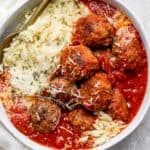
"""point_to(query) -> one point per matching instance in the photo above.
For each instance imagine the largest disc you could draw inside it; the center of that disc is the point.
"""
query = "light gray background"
(140, 138)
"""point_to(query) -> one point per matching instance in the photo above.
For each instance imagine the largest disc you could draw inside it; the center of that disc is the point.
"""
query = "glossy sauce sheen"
(63, 135)
(133, 88)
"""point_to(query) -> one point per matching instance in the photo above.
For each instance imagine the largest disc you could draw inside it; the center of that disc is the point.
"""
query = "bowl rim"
(134, 123)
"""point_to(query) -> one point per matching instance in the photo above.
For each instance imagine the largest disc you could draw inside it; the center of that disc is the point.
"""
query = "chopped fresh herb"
(36, 76)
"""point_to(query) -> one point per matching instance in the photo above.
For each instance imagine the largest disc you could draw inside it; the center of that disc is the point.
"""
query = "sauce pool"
(64, 135)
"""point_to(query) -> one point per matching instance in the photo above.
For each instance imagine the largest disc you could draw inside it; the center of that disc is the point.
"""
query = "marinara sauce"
(64, 136)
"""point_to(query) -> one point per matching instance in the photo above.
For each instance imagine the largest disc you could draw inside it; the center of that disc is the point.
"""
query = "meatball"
(81, 119)
(62, 89)
(128, 49)
(45, 116)
(96, 93)
(78, 62)
(93, 31)
(118, 108)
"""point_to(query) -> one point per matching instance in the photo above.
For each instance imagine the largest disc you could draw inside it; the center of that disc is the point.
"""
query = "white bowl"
(135, 122)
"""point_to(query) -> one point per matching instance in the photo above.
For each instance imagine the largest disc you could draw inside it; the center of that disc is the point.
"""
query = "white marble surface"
(140, 138)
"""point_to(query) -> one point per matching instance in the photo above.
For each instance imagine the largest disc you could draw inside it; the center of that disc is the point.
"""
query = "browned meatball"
(128, 49)
(93, 31)
(81, 119)
(96, 93)
(45, 116)
(62, 89)
(78, 62)
(118, 107)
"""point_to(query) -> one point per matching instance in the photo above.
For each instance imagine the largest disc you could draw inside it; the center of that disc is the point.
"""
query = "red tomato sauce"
(63, 136)
(100, 7)
(133, 88)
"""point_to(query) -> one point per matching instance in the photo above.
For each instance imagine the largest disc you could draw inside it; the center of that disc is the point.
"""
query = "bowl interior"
(135, 122)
